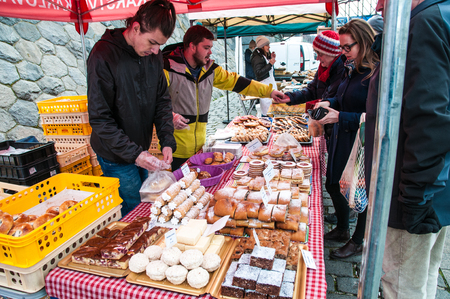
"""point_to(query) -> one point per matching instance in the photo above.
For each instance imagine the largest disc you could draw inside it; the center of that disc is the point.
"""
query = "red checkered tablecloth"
(67, 284)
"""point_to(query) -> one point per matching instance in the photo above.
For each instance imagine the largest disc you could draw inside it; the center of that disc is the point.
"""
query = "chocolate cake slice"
(262, 257)
(246, 277)
(269, 282)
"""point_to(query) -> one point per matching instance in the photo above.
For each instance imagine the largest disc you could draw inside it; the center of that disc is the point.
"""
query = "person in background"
(191, 76)
(249, 74)
(127, 95)
(345, 109)
(420, 210)
(377, 24)
(262, 63)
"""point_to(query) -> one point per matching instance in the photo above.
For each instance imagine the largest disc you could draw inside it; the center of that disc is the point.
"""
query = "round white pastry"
(191, 258)
(198, 278)
(176, 274)
(171, 256)
(138, 263)
(211, 262)
(156, 270)
(153, 252)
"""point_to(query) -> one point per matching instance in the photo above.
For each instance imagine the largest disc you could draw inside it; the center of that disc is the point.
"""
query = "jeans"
(131, 178)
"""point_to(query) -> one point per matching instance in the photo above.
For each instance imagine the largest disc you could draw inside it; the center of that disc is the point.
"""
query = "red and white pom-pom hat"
(327, 42)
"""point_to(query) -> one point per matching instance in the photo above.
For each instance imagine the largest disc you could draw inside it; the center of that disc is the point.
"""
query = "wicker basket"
(215, 172)
(199, 160)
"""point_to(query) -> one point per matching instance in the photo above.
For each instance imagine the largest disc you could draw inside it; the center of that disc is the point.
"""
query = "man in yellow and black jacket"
(191, 76)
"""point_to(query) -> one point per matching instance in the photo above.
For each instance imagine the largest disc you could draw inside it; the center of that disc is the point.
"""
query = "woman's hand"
(323, 104)
(331, 118)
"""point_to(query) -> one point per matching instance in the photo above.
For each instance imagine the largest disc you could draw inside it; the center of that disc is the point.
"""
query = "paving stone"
(8, 35)
(25, 113)
(53, 32)
(27, 31)
(347, 285)
(20, 132)
(339, 268)
(8, 53)
(330, 283)
(29, 51)
(7, 96)
(9, 74)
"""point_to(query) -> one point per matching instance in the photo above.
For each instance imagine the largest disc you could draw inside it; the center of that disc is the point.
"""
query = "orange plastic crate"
(73, 129)
(70, 153)
(97, 170)
(78, 166)
(64, 104)
(65, 118)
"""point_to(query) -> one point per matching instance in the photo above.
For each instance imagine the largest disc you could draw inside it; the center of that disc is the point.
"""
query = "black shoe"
(332, 219)
(348, 250)
(337, 235)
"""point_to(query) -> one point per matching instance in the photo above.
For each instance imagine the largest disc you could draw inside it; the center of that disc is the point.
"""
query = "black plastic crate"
(23, 172)
(34, 179)
(38, 151)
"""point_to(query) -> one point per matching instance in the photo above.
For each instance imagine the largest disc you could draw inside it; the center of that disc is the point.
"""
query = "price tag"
(171, 238)
(254, 145)
(309, 260)
(269, 189)
(268, 173)
(53, 172)
(198, 170)
(292, 154)
(256, 238)
(32, 170)
(152, 224)
(185, 169)
(265, 199)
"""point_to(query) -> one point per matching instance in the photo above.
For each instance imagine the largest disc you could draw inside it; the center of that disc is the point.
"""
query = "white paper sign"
(269, 189)
(219, 224)
(268, 173)
(309, 260)
(171, 238)
(254, 145)
(185, 169)
(152, 224)
(256, 238)
(265, 199)
(292, 154)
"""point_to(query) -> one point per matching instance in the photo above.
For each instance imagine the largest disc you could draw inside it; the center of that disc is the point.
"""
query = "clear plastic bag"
(287, 140)
(156, 183)
(315, 128)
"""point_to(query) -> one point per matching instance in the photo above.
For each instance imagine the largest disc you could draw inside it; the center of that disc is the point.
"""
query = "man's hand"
(149, 162)
(167, 153)
(420, 219)
(279, 97)
(179, 122)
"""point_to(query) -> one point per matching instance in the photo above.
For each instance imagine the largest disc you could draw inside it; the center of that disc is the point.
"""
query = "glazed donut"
(20, 218)
(6, 223)
(53, 210)
(21, 230)
(66, 205)
(43, 219)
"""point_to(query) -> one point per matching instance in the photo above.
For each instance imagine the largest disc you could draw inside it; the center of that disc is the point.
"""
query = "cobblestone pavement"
(342, 275)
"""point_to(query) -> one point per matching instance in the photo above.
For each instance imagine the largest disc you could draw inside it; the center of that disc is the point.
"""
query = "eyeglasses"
(347, 48)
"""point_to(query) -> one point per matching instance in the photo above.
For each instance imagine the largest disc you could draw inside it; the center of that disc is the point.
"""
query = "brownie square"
(250, 294)
(286, 291)
(233, 267)
(279, 265)
(262, 257)
(228, 289)
(289, 276)
(281, 249)
(244, 259)
(269, 282)
(246, 276)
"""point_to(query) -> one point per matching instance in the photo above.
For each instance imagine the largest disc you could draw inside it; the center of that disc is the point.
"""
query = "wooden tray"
(67, 263)
(184, 288)
(300, 279)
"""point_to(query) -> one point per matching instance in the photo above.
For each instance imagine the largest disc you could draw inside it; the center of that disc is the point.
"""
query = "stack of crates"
(65, 121)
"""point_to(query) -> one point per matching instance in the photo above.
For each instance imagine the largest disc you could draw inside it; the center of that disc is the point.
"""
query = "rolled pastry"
(174, 221)
(163, 219)
(195, 184)
(159, 202)
(211, 218)
(279, 213)
(155, 210)
(178, 200)
(166, 211)
(171, 192)
(187, 180)
(198, 193)
(191, 214)
(182, 209)
(204, 200)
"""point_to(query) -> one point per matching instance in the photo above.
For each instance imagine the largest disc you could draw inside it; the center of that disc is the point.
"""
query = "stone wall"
(41, 60)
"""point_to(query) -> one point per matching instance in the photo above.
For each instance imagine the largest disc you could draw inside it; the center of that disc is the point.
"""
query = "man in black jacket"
(249, 73)
(127, 95)
(420, 209)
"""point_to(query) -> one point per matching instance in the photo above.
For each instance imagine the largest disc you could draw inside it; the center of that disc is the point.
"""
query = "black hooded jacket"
(127, 94)
(260, 66)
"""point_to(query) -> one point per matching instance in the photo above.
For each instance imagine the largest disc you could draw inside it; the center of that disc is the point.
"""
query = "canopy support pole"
(80, 24)
(390, 92)
(227, 121)
(333, 15)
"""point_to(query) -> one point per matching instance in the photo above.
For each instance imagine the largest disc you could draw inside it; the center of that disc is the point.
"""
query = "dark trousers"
(177, 162)
(342, 213)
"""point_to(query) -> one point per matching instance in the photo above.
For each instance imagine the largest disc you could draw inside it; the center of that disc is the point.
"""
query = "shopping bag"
(352, 182)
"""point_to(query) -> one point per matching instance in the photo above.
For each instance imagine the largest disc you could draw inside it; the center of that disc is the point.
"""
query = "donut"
(6, 223)
(156, 270)
(176, 274)
(171, 256)
(153, 252)
(53, 210)
(191, 258)
(21, 230)
(211, 262)
(43, 219)
(138, 263)
(198, 278)
(66, 205)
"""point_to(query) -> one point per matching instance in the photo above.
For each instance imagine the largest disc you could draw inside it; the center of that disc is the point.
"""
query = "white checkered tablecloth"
(68, 284)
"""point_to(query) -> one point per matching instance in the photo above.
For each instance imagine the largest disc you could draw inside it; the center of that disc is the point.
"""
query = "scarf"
(350, 66)
(323, 73)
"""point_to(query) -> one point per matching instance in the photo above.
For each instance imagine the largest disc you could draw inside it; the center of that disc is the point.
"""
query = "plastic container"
(32, 279)
(87, 171)
(23, 172)
(69, 129)
(78, 166)
(35, 178)
(38, 151)
(78, 139)
(97, 170)
(26, 251)
(64, 104)
(70, 153)
(215, 172)
(155, 185)
(9, 189)
(199, 159)
(65, 118)
(14, 294)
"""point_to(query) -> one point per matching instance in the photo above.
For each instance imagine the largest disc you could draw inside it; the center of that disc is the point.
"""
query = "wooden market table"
(68, 284)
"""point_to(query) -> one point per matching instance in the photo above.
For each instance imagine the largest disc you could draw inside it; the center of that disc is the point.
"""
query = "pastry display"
(191, 259)
(156, 270)
(198, 278)
(211, 262)
(153, 252)
(176, 274)
(138, 263)
(171, 256)
(294, 125)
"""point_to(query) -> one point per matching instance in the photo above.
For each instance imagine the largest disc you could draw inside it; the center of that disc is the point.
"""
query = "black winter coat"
(127, 94)
(249, 73)
(260, 67)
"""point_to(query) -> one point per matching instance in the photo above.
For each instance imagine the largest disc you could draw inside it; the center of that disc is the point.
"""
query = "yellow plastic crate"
(70, 153)
(65, 118)
(26, 251)
(87, 171)
(64, 104)
(73, 129)
(97, 170)
(77, 166)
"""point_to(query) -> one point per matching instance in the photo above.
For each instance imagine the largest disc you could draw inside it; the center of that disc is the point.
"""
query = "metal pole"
(395, 37)
(226, 68)
(333, 16)
(80, 23)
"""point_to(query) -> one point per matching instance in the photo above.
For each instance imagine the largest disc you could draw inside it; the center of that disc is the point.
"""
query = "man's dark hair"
(195, 35)
(156, 14)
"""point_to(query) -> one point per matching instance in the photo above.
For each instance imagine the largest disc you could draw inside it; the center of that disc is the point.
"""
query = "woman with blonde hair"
(344, 112)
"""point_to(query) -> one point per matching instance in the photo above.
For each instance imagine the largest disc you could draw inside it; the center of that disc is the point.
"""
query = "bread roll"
(291, 223)
(211, 218)
(240, 194)
(21, 230)
(295, 207)
(273, 199)
(65, 206)
(285, 197)
(225, 193)
(268, 225)
(253, 209)
(225, 207)
(265, 213)
(254, 223)
(241, 211)
(6, 223)
(53, 210)
(279, 213)
(254, 197)
(231, 223)
(43, 219)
